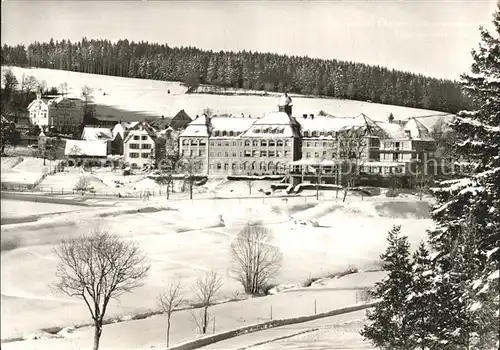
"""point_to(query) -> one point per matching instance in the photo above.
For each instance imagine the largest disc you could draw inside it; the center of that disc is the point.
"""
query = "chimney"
(304, 116)
(311, 115)
(196, 117)
(162, 117)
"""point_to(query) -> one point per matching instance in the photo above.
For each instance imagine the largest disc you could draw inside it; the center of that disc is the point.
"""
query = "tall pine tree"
(388, 326)
(467, 233)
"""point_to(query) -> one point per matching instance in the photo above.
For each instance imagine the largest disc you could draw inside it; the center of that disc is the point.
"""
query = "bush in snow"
(83, 184)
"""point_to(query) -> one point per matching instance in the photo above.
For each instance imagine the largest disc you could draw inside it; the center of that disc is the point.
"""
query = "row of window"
(247, 166)
(143, 138)
(136, 155)
(395, 156)
(194, 142)
(396, 145)
(254, 154)
(142, 146)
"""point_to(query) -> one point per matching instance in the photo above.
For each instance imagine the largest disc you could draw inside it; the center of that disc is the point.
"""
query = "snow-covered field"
(151, 97)
(27, 172)
(188, 238)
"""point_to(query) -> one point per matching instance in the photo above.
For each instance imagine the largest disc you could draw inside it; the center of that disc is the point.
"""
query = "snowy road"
(265, 339)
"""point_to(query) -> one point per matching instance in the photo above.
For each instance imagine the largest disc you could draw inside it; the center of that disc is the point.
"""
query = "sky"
(432, 37)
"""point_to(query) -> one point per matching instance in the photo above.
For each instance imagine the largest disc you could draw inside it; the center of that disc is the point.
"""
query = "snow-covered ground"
(151, 97)
(188, 238)
(27, 172)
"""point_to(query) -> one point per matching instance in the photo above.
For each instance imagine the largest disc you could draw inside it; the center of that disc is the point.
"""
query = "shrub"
(392, 192)
(363, 295)
(264, 290)
(82, 184)
(308, 282)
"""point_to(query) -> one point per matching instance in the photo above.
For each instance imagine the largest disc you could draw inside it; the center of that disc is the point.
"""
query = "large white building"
(61, 114)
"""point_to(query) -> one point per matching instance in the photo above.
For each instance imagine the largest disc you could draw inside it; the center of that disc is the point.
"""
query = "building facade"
(140, 146)
(61, 114)
(279, 144)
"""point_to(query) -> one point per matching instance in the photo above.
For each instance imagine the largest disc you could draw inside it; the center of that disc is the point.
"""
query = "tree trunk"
(205, 320)
(97, 334)
(168, 331)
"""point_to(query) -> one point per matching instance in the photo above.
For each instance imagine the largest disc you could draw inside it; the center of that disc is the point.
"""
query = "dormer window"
(216, 133)
(224, 133)
(231, 133)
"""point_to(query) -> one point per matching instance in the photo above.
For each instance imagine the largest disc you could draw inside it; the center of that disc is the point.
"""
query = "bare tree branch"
(255, 260)
(168, 301)
(97, 268)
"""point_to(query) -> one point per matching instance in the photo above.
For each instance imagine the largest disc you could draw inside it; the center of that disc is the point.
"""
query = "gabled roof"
(227, 124)
(392, 130)
(417, 130)
(95, 133)
(141, 128)
(85, 148)
(197, 128)
(38, 101)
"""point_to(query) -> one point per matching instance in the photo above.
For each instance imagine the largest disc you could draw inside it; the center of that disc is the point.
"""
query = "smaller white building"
(86, 149)
(139, 146)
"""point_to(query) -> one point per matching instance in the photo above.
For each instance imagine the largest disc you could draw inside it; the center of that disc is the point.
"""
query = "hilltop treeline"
(249, 70)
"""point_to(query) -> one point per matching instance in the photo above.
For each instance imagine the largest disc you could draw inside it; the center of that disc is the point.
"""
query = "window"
(144, 138)
(218, 154)
(134, 155)
(211, 143)
(308, 144)
(227, 144)
(138, 138)
(287, 153)
(203, 142)
(219, 143)
(255, 143)
(145, 155)
(255, 154)
(234, 143)
(308, 154)
(200, 153)
(146, 146)
(287, 143)
(191, 152)
(316, 144)
(279, 154)
(216, 133)
(272, 143)
(263, 153)
(263, 142)
(263, 166)
(248, 154)
(324, 154)
(211, 154)
(218, 166)
(279, 143)
(270, 153)
(306, 133)
(316, 154)
(224, 133)
(134, 146)
(226, 166)
(234, 154)
(247, 142)
(324, 144)
(226, 154)
(231, 133)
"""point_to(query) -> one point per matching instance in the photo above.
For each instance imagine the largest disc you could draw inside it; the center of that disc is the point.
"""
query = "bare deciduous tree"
(170, 300)
(255, 260)
(190, 166)
(205, 290)
(352, 146)
(97, 268)
(208, 112)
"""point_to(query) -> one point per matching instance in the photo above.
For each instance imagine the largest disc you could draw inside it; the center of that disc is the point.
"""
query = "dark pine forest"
(249, 70)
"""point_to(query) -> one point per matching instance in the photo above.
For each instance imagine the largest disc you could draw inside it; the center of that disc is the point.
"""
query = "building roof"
(197, 128)
(392, 130)
(141, 128)
(417, 130)
(85, 148)
(234, 124)
(95, 133)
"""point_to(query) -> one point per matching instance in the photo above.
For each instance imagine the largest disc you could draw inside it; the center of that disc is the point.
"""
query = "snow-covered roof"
(417, 130)
(85, 148)
(392, 130)
(141, 129)
(94, 134)
(223, 125)
(197, 128)
(322, 123)
(118, 129)
(274, 118)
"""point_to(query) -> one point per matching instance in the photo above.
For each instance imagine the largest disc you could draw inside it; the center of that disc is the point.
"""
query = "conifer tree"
(468, 212)
(388, 326)
(421, 299)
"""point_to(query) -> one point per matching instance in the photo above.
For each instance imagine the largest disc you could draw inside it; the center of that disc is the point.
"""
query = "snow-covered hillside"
(152, 97)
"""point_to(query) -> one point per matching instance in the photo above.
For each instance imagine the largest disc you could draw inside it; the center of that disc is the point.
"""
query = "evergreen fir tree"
(388, 326)
(468, 210)
(421, 299)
